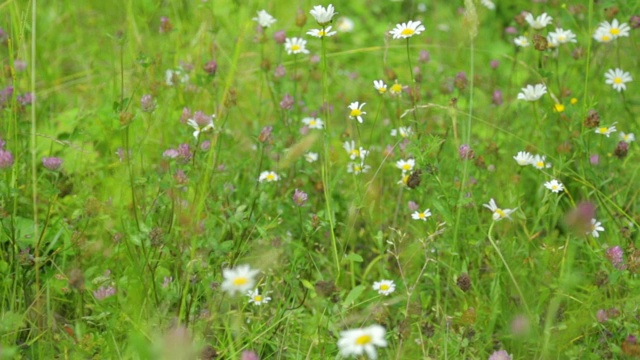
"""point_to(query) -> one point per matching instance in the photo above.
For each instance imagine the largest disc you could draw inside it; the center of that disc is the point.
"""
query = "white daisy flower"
(596, 228)
(321, 32)
(357, 342)
(402, 131)
(540, 22)
(356, 111)
(421, 215)
(311, 157)
(603, 35)
(380, 86)
(264, 19)
(171, 76)
(357, 168)
(384, 287)
(407, 30)
(615, 28)
(323, 15)
(354, 153)
(539, 162)
(617, 78)
(240, 279)
(488, 4)
(256, 299)
(523, 158)
(344, 24)
(498, 214)
(268, 176)
(313, 123)
(200, 128)
(296, 45)
(521, 41)
(406, 165)
(628, 138)
(561, 36)
(532, 92)
(554, 185)
(606, 131)
(396, 89)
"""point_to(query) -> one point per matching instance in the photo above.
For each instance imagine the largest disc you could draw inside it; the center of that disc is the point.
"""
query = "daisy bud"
(52, 163)
(6, 159)
(280, 37)
(147, 104)
(621, 150)
(540, 42)
(210, 67)
(301, 18)
(592, 120)
(300, 197)
(464, 282)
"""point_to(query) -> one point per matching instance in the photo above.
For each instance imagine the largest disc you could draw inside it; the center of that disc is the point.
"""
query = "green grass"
(119, 215)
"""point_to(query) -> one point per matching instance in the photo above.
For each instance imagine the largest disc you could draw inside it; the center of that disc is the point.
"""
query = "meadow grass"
(151, 150)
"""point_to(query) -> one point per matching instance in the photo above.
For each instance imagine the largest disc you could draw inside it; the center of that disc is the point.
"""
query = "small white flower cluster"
(359, 154)
(609, 31)
(524, 158)
(242, 279)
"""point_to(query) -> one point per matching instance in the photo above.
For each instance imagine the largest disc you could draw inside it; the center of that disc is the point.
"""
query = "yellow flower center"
(421, 215)
(406, 167)
(357, 168)
(559, 107)
(295, 47)
(355, 152)
(396, 88)
(500, 213)
(617, 80)
(363, 340)
(614, 31)
(382, 90)
(312, 123)
(240, 281)
(356, 112)
(270, 177)
(603, 130)
(405, 179)
(407, 32)
(605, 38)
(561, 38)
(384, 287)
(540, 164)
(257, 298)
(321, 33)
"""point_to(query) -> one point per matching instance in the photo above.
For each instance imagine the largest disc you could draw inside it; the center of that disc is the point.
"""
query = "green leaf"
(353, 257)
(354, 294)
